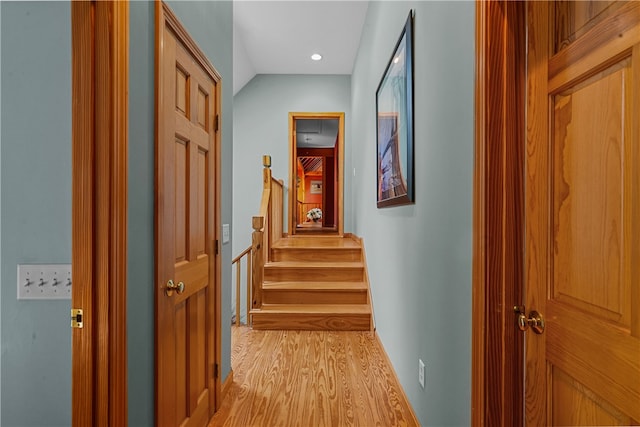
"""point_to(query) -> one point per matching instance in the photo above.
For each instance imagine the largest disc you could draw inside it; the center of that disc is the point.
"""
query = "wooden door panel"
(582, 250)
(182, 91)
(602, 357)
(180, 197)
(203, 108)
(201, 203)
(180, 346)
(590, 409)
(588, 194)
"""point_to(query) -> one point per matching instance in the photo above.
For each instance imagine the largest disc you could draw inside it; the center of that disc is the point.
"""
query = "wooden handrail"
(264, 202)
(238, 261)
(243, 253)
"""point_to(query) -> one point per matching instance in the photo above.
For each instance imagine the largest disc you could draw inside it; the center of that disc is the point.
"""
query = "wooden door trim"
(100, 58)
(293, 150)
(498, 213)
(164, 16)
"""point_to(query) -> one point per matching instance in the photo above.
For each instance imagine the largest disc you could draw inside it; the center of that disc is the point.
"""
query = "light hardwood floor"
(311, 378)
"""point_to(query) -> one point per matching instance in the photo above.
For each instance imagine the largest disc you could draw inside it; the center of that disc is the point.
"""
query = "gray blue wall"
(35, 203)
(36, 208)
(261, 126)
(0, 221)
(140, 269)
(419, 256)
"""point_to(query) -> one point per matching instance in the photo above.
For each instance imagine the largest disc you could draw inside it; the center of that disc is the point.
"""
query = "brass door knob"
(535, 320)
(171, 287)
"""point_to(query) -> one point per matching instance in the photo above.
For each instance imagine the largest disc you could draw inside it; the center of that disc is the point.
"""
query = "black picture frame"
(394, 125)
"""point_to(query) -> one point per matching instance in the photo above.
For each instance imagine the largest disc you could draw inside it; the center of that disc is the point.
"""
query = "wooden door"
(187, 217)
(582, 198)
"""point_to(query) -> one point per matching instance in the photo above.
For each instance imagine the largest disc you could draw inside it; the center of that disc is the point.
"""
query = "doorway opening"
(316, 175)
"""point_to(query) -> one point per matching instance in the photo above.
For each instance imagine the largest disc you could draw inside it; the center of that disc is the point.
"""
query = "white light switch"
(44, 281)
(225, 233)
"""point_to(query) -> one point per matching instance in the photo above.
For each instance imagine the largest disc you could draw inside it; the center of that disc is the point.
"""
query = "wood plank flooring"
(311, 379)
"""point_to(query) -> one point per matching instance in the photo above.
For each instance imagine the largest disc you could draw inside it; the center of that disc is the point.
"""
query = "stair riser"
(313, 297)
(311, 255)
(312, 322)
(302, 274)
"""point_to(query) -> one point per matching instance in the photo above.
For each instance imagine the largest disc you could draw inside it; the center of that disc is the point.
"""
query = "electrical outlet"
(44, 281)
(421, 372)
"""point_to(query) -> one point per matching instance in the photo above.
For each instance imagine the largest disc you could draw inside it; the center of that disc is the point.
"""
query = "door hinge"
(217, 248)
(76, 318)
(215, 370)
(216, 123)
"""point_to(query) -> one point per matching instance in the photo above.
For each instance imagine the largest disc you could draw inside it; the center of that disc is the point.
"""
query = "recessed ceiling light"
(316, 57)
(396, 59)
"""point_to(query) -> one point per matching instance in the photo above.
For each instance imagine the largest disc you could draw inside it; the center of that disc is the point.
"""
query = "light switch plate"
(44, 281)
(225, 233)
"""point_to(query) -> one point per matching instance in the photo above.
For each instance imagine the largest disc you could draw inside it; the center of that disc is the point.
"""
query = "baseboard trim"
(226, 386)
(393, 371)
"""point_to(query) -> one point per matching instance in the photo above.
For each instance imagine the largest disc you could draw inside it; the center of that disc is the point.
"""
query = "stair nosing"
(315, 285)
(314, 264)
(315, 309)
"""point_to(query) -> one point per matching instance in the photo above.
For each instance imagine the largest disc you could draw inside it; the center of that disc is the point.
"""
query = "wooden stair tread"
(310, 286)
(317, 248)
(318, 242)
(314, 309)
(314, 264)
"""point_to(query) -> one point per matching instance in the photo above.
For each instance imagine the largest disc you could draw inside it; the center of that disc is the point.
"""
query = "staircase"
(315, 283)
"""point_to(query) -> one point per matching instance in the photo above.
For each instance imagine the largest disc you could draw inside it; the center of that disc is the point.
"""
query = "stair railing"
(246, 254)
(267, 230)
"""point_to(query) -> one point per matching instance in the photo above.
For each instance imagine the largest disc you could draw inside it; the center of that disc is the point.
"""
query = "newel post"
(266, 172)
(266, 184)
(257, 261)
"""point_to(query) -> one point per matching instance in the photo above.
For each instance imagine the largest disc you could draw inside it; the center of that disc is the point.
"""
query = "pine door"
(185, 236)
(582, 196)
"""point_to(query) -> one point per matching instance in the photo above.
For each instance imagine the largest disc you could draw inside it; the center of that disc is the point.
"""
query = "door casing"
(100, 61)
(498, 213)
(339, 191)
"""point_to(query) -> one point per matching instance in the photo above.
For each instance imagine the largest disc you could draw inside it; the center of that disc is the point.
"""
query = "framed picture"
(316, 187)
(394, 114)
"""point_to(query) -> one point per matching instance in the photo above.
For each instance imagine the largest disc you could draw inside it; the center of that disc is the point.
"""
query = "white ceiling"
(278, 37)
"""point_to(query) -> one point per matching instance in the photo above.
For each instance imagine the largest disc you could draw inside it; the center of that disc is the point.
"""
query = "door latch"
(76, 318)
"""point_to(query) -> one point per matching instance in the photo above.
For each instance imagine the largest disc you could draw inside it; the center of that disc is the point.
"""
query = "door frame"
(99, 84)
(498, 213)
(293, 155)
(165, 16)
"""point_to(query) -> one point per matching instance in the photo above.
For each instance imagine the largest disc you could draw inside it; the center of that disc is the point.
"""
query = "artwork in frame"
(394, 115)
(316, 187)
